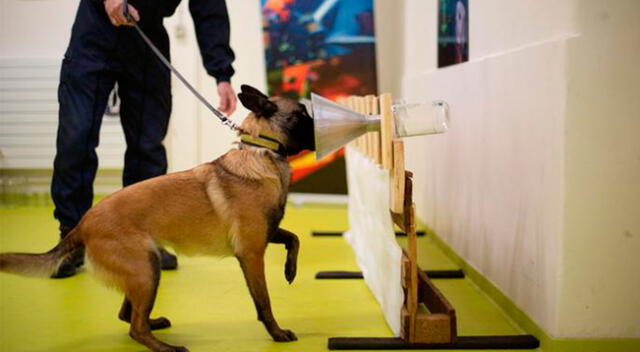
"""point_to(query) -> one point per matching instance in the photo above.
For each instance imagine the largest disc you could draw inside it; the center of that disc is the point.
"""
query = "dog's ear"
(250, 90)
(259, 104)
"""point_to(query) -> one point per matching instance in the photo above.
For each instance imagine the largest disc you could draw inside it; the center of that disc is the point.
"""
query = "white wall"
(502, 186)
(28, 28)
(601, 286)
(492, 186)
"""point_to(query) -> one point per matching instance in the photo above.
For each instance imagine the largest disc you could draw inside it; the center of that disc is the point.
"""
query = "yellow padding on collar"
(275, 146)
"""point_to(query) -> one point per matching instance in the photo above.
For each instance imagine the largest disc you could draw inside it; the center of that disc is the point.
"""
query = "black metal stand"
(336, 234)
(432, 274)
(461, 342)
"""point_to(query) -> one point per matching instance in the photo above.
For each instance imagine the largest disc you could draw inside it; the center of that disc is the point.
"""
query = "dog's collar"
(264, 141)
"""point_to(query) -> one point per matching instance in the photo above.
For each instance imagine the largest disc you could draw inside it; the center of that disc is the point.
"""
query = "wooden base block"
(429, 328)
(433, 328)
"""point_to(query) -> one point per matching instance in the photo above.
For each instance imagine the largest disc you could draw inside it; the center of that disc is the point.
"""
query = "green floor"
(207, 301)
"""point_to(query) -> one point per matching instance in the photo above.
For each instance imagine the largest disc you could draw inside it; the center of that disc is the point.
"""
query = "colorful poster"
(453, 32)
(321, 46)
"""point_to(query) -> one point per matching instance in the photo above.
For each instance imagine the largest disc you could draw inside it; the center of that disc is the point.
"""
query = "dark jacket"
(211, 22)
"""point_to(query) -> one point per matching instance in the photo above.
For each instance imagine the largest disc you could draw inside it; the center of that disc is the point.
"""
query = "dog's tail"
(44, 264)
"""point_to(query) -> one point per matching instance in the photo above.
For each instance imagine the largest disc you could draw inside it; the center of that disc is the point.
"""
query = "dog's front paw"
(290, 270)
(284, 336)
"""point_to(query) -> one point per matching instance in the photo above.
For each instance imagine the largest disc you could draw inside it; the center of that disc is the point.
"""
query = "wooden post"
(412, 287)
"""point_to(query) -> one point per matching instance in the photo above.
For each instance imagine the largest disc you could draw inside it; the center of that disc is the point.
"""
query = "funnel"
(336, 125)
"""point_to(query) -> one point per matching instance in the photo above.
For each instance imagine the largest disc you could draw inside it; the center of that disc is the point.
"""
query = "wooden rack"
(435, 325)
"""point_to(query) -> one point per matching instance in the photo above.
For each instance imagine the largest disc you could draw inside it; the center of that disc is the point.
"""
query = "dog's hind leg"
(155, 324)
(292, 244)
(252, 264)
(140, 290)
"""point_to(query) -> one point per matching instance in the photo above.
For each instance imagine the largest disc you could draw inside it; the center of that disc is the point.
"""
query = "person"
(104, 50)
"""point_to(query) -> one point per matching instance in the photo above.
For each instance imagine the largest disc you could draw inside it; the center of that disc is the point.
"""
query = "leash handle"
(225, 120)
(125, 11)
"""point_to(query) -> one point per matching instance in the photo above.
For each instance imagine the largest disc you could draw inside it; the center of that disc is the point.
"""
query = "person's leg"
(83, 97)
(82, 94)
(83, 91)
(144, 87)
(145, 107)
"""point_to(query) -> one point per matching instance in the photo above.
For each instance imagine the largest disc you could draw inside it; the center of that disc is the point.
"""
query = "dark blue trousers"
(98, 56)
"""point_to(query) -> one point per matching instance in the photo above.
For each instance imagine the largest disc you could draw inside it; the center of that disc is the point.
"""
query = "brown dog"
(231, 206)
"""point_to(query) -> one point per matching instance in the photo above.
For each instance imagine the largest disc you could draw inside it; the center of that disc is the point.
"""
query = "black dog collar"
(263, 141)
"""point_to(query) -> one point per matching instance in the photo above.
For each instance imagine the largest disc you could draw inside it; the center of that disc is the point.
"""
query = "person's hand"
(227, 98)
(114, 11)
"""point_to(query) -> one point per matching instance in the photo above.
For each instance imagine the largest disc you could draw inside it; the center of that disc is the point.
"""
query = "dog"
(230, 206)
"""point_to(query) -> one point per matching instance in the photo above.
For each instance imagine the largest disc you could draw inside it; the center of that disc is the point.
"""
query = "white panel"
(29, 117)
(372, 236)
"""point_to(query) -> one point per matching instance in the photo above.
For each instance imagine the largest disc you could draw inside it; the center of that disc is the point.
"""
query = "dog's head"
(283, 118)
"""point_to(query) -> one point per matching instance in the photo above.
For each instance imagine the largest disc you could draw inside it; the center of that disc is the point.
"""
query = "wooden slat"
(362, 108)
(362, 140)
(366, 110)
(386, 130)
(350, 103)
(377, 154)
(398, 178)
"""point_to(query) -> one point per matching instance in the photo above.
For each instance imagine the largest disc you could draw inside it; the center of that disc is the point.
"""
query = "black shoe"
(70, 265)
(66, 269)
(168, 261)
